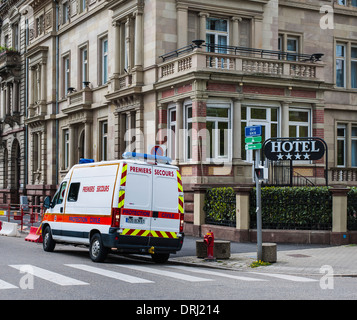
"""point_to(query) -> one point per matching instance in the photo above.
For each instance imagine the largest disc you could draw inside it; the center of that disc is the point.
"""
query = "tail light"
(181, 222)
(115, 217)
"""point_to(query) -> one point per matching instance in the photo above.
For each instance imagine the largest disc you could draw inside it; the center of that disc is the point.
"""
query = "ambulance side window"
(58, 197)
(73, 192)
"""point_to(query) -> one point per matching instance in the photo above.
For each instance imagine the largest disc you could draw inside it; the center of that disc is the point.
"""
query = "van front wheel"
(48, 242)
(97, 251)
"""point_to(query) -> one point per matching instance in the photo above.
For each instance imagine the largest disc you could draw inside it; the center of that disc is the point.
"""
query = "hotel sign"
(310, 148)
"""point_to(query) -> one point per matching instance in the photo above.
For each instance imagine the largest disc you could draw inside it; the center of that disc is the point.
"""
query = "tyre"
(48, 242)
(160, 257)
(97, 251)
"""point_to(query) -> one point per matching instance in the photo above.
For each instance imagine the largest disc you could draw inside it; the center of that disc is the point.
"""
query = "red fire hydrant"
(208, 239)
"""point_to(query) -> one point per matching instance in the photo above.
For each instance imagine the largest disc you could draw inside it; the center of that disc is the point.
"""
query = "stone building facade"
(94, 78)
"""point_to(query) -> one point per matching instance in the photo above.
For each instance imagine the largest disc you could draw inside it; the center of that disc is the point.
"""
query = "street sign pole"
(253, 134)
(259, 208)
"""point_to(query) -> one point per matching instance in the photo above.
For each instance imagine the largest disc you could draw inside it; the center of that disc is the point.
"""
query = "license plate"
(135, 220)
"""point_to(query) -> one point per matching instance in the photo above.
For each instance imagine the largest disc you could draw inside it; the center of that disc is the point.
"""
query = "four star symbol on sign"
(290, 156)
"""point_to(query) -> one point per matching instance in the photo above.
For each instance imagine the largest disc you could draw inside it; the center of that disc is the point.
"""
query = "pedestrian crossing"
(141, 274)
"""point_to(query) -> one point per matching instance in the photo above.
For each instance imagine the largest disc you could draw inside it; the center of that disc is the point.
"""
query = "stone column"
(31, 87)
(7, 99)
(15, 97)
(179, 133)
(117, 51)
(71, 146)
(182, 24)
(87, 140)
(203, 16)
(128, 62)
(199, 110)
(139, 39)
(43, 83)
(236, 128)
(3, 106)
(242, 212)
(285, 119)
(139, 130)
(199, 214)
(235, 29)
(339, 234)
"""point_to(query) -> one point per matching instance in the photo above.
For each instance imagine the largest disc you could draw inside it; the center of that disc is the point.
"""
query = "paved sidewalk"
(342, 259)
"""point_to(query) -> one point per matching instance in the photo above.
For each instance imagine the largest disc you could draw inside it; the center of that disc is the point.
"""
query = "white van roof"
(136, 159)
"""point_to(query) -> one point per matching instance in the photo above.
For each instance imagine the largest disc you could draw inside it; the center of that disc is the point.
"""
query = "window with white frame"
(188, 132)
(66, 74)
(217, 35)
(82, 5)
(218, 143)
(104, 60)
(84, 64)
(354, 146)
(66, 148)
(267, 117)
(340, 65)
(65, 8)
(104, 140)
(341, 145)
(292, 48)
(16, 36)
(171, 127)
(290, 44)
(299, 123)
(354, 67)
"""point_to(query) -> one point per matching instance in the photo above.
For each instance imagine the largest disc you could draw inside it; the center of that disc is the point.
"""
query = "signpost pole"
(259, 208)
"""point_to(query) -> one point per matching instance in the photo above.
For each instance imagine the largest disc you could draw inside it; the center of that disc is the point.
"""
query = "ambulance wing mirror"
(47, 202)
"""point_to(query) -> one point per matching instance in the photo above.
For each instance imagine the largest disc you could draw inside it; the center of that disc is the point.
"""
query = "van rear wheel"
(97, 251)
(160, 257)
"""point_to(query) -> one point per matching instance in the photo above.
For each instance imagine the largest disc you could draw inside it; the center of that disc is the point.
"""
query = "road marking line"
(215, 273)
(108, 273)
(165, 273)
(6, 285)
(286, 277)
(48, 275)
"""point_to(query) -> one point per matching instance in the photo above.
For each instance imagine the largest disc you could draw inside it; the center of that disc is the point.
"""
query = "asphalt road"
(27, 272)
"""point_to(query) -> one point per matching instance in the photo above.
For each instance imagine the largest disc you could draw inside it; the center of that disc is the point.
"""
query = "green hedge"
(282, 208)
(294, 208)
(352, 209)
(220, 206)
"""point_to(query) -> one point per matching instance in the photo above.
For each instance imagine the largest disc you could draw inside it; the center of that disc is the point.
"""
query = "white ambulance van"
(134, 205)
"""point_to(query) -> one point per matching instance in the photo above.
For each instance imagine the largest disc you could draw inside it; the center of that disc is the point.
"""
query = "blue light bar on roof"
(145, 156)
(82, 160)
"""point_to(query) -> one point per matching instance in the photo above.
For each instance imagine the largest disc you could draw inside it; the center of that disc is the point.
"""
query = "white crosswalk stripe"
(165, 273)
(6, 285)
(216, 273)
(162, 272)
(48, 275)
(286, 277)
(108, 273)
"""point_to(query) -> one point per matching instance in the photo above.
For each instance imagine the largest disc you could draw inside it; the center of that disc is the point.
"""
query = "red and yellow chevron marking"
(179, 182)
(180, 204)
(122, 184)
(149, 233)
(123, 175)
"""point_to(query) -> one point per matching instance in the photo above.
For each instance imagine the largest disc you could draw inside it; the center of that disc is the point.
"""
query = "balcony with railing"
(78, 100)
(241, 61)
(10, 62)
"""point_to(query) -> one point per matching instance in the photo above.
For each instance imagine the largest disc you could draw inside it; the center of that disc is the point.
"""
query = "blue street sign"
(253, 131)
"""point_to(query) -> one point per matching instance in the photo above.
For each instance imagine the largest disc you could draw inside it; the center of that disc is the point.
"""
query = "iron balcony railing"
(236, 50)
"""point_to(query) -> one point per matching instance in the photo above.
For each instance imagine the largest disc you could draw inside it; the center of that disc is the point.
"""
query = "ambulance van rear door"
(165, 222)
(136, 211)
